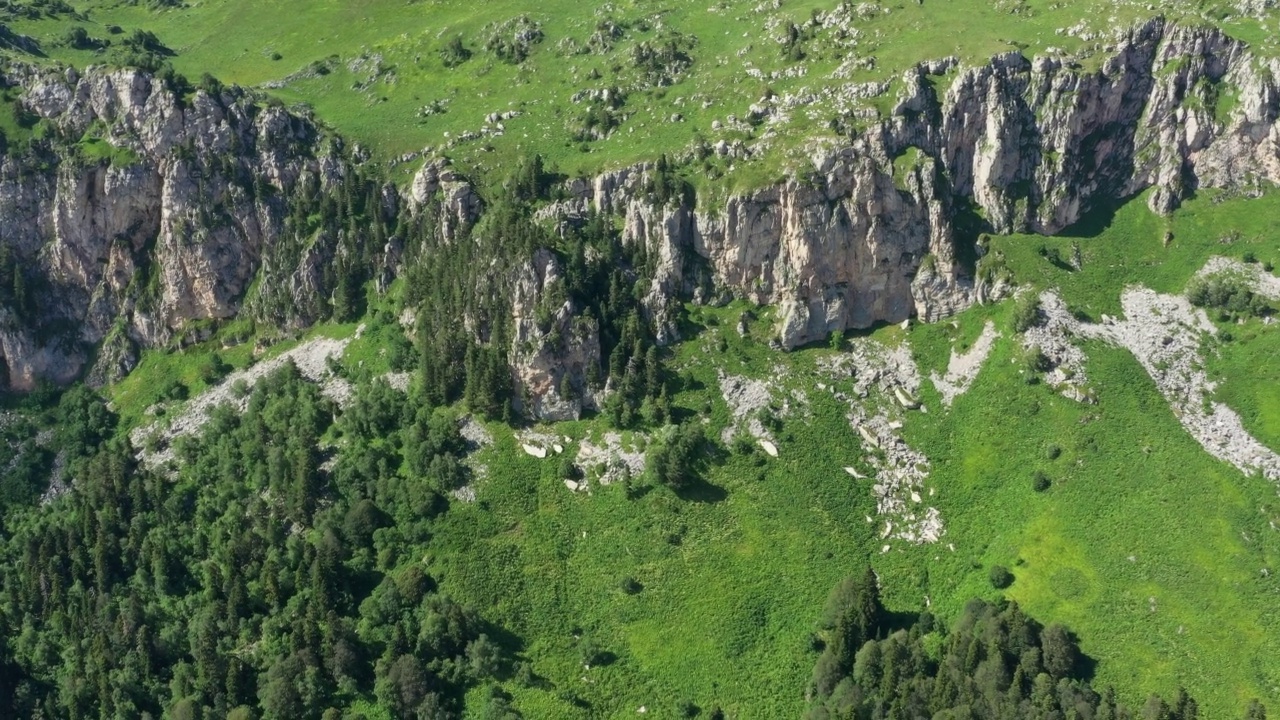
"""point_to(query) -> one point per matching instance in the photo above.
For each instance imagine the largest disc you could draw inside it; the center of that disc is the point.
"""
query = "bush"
(1052, 254)
(175, 390)
(1000, 577)
(514, 39)
(454, 53)
(1053, 452)
(568, 469)
(592, 654)
(213, 369)
(1040, 482)
(673, 461)
(78, 38)
(1036, 362)
(1026, 313)
(1228, 293)
(210, 85)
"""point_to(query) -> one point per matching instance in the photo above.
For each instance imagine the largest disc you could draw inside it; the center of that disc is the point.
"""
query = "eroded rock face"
(437, 185)
(190, 212)
(870, 235)
(553, 346)
(171, 229)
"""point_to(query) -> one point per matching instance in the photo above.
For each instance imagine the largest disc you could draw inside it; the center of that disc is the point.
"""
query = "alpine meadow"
(430, 360)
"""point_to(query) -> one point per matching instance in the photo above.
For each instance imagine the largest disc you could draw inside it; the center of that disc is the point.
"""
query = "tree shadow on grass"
(703, 492)
(699, 489)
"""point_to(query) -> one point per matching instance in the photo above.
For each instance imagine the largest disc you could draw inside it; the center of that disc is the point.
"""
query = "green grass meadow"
(382, 65)
(1150, 549)
(1159, 556)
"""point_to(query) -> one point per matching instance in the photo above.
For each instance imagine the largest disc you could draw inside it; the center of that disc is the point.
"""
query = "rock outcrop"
(183, 204)
(553, 346)
(871, 232)
(170, 227)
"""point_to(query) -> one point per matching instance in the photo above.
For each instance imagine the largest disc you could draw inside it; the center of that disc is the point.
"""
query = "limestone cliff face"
(191, 209)
(553, 347)
(172, 228)
(870, 234)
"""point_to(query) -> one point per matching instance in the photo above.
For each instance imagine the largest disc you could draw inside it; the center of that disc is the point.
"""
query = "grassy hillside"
(388, 73)
(632, 595)
(1157, 554)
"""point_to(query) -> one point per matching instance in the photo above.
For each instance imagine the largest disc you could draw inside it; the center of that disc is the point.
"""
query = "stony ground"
(1167, 335)
(312, 359)
(885, 383)
(963, 367)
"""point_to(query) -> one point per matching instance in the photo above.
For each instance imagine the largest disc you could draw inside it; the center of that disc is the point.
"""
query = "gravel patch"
(1054, 337)
(885, 383)
(1257, 278)
(476, 434)
(1166, 334)
(962, 370)
(619, 461)
(542, 442)
(58, 485)
(399, 380)
(311, 358)
(746, 397)
(466, 493)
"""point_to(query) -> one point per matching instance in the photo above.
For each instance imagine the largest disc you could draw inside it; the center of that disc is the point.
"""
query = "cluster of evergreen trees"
(349, 223)
(249, 582)
(461, 292)
(995, 663)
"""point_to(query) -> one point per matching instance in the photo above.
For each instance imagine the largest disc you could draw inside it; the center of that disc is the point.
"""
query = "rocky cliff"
(871, 234)
(167, 227)
(186, 215)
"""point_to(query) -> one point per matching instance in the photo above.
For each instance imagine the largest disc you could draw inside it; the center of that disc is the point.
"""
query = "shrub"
(1000, 577)
(592, 654)
(78, 38)
(1040, 482)
(1036, 362)
(569, 470)
(175, 390)
(213, 369)
(837, 340)
(454, 53)
(512, 40)
(1026, 313)
(1227, 293)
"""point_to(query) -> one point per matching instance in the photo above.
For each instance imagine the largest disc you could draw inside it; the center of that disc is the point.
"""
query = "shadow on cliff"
(1097, 220)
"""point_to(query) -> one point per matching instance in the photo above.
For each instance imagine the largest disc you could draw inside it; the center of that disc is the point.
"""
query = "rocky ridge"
(134, 249)
(879, 228)
(883, 226)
